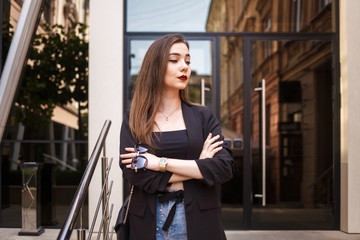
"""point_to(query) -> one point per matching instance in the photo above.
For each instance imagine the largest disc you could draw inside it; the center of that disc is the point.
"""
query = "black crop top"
(171, 144)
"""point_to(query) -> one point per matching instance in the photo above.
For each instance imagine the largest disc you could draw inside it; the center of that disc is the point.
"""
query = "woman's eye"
(188, 62)
(173, 61)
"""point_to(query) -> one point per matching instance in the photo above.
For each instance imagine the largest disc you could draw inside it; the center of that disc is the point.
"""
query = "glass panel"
(271, 16)
(200, 83)
(231, 102)
(201, 80)
(167, 16)
(298, 120)
(47, 125)
(62, 155)
(61, 169)
(138, 50)
(231, 16)
(7, 29)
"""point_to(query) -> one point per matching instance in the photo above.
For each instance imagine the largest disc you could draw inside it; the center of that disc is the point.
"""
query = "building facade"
(297, 48)
(281, 78)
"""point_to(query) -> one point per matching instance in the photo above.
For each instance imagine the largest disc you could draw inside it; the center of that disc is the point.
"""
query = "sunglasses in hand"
(139, 161)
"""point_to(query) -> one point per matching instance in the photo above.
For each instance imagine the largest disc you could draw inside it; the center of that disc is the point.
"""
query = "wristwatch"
(162, 164)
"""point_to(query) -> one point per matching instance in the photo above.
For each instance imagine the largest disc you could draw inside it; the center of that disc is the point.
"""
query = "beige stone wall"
(350, 115)
(106, 93)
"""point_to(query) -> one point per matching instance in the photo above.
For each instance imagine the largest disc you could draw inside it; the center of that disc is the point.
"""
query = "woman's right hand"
(153, 161)
(211, 146)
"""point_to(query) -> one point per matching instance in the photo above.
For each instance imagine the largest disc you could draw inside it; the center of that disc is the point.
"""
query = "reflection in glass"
(299, 162)
(270, 16)
(167, 16)
(231, 102)
(60, 171)
(299, 114)
(230, 16)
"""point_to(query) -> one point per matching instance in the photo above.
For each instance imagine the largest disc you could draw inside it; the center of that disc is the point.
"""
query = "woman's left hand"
(211, 146)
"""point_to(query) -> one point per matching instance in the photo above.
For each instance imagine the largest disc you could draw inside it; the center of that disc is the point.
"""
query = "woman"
(175, 195)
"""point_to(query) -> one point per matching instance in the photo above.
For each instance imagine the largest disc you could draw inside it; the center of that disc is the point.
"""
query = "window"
(48, 11)
(323, 3)
(267, 28)
(296, 16)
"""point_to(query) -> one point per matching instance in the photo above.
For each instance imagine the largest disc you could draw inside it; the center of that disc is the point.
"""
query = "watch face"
(162, 160)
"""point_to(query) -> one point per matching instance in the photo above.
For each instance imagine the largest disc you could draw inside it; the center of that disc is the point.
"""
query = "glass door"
(232, 124)
(292, 146)
(276, 109)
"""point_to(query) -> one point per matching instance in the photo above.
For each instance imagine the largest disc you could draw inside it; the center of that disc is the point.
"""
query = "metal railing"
(323, 188)
(81, 192)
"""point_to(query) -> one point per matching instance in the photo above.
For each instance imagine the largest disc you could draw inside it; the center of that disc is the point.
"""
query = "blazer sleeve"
(220, 168)
(148, 180)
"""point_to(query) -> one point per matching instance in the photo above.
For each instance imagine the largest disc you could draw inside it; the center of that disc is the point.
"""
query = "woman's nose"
(184, 66)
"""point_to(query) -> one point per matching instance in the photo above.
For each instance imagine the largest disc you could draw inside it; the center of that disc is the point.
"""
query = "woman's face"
(178, 67)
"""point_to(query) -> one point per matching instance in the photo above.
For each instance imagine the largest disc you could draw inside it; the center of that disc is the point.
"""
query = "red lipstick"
(183, 77)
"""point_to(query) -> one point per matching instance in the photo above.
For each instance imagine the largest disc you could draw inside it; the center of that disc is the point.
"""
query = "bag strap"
(127, 209)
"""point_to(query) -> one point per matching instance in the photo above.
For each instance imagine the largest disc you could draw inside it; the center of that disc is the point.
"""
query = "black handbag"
(122, 226)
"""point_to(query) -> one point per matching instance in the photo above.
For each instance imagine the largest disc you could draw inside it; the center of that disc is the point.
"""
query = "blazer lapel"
(193, 124)
(194, 131)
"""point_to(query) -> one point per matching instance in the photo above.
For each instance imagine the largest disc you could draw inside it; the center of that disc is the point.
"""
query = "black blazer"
(202, 204)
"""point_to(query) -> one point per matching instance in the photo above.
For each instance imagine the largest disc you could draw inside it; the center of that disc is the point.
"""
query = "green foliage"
(56, 74)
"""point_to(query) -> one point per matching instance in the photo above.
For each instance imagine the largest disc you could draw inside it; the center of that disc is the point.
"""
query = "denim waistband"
(169, 196)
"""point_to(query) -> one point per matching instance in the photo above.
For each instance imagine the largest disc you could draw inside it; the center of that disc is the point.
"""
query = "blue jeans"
(177, 229)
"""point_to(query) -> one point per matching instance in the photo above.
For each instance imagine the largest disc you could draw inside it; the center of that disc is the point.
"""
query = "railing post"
(106, 191)
(81, 231)
(99, 202)
(103, 216)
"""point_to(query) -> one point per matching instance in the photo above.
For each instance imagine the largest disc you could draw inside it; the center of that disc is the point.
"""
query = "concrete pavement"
(49, 234)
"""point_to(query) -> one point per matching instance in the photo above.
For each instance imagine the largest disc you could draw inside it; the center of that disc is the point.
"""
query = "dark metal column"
(247, 181)
(17, 56)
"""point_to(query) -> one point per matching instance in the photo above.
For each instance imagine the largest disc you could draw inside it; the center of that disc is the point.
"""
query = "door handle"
(203, 90)
(263, 140)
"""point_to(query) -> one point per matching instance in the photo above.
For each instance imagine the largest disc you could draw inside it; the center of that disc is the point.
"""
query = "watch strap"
(162, 164)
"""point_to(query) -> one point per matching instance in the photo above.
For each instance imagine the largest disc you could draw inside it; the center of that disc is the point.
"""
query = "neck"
(169, 101)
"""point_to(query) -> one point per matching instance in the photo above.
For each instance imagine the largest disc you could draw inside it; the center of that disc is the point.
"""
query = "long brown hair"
(148, 88)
